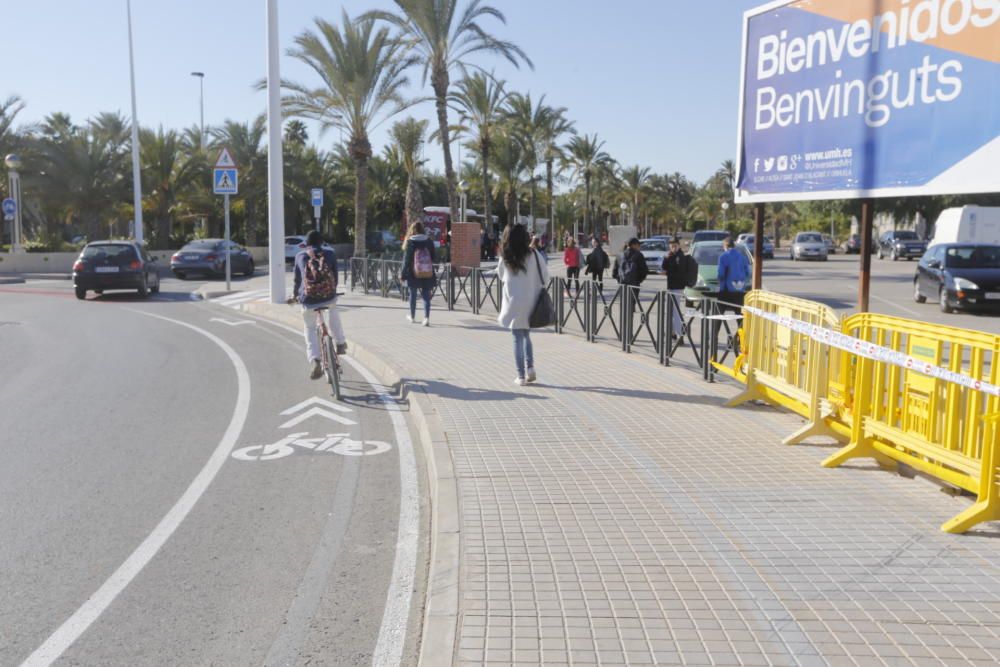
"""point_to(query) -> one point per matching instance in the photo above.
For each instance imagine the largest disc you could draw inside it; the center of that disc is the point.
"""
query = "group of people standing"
(594, 264)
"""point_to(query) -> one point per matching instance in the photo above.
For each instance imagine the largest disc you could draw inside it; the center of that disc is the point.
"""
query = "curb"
(10, 281)
(440, 630)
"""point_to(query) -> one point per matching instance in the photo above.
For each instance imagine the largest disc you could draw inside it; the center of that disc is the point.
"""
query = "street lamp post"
(725, 212)
(463, 189)
(624, 207)
(275, 165)
(201, 104)
(136, 173)
(13, 163)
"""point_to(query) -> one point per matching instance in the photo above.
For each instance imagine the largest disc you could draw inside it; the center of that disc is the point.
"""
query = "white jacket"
(521, 290)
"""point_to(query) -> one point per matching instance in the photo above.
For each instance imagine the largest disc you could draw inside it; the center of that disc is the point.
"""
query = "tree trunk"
(586, 205)
(531, 205)
(484, 148)
(414, 202)
(549, 188)
(439, 81)
(510, 202)
(163, 231)
(360, 150)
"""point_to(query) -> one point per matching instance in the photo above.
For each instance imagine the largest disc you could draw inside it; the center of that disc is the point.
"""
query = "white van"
(968, 224)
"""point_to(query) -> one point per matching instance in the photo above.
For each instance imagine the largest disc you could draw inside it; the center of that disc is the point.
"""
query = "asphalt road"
(145, 523)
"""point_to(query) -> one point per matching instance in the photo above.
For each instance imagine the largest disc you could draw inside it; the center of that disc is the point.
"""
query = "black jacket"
(597, 262)
(673, 264)
(633, 255)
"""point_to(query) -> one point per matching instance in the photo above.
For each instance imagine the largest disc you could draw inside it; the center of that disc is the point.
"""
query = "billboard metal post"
(758, 246)
(864, 284)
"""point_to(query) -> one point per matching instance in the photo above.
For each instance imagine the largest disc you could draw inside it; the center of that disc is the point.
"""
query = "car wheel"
(893, 256)
(250, 269)
(917, 296)
(98, 292)
(825, 258)
(143, 289)
(180, 275)
(943, 301)
(81, 293)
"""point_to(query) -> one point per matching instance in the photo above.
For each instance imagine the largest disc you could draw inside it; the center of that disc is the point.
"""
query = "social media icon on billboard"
(783, 163)
(768, 164)
(756, 165)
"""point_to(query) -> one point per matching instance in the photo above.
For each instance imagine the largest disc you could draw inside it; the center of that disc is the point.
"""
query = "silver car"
(808, 245)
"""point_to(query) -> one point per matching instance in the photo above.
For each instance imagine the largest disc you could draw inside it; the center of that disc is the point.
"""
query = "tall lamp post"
(725, 212)
(201, 104)
(136, 173)
(13, 163)
(624, 207)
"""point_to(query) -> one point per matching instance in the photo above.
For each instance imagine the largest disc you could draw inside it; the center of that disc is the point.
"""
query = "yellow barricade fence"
(927, 396)
(787, 367)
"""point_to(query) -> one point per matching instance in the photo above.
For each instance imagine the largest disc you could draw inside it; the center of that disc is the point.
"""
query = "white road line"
(91, 610)
(392, 633)
(893, 304)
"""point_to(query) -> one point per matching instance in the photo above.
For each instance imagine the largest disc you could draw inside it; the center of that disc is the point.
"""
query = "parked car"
(852, 246)
(710, 235)
(808, 245)
(750, 239)
(381, 241)
(208, 257)
(296, 244)
(707, 254)
(115, 265)
(653, 251)
(742, 239)
(831, 244)
(901, 243)
(961, 276)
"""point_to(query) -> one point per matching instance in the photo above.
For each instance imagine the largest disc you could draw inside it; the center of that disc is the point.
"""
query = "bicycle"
(329, 360)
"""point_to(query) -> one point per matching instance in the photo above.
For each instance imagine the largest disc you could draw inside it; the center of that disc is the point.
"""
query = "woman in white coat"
(524, 275)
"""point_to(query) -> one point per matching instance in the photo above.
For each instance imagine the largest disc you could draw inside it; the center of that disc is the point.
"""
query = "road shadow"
(454, 392)
(132, 297)
(695, 399)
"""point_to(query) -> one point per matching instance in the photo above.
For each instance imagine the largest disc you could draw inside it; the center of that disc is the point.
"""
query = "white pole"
(275, 173)
(229, 251)
(136, 174)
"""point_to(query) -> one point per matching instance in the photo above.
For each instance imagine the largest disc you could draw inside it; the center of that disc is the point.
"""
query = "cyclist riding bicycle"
(316, 287)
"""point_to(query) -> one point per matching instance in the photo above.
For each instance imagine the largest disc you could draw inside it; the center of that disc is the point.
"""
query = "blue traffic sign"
(9, 206)
(224, 181)
(317, 196)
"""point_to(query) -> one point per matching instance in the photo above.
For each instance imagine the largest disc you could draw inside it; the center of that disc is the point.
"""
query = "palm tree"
(527, 120)
(165, 173)
(550, 133)
(443, 38)
(362, 73)
(508, 165)
(706, 206)
(409, 137)
(635, 180)
(9, 108)
(585, 156)
(480, 100)
(245, 144)
(728, 174)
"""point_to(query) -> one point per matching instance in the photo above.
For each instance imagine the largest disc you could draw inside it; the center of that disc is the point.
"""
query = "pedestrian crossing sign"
(224, 181)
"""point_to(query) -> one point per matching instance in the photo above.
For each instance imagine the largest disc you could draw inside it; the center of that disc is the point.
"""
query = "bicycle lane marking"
(71, 629)
(392, 633)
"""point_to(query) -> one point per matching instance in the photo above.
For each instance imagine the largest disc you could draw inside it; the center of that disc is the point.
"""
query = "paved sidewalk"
(616, 513)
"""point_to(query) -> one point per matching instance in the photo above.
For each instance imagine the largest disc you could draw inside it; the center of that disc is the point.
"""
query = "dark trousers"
(573, 275)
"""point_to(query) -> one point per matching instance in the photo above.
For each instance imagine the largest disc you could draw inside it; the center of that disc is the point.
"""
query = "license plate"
(192, 258)
(106, 269)
(993, 295)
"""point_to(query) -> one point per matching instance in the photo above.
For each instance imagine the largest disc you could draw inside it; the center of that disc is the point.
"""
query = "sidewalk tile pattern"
(616, 513)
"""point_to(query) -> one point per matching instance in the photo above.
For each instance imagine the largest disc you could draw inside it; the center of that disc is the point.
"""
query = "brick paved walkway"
(617, 513)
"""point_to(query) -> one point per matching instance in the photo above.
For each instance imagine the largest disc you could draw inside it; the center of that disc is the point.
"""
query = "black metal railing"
(662, 324)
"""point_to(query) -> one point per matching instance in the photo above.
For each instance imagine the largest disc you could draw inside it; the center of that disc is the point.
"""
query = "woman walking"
(597, 264)
(524, 276)
(572, 258)
(418, 270)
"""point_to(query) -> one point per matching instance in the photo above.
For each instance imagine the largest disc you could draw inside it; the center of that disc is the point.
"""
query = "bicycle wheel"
(332, 371)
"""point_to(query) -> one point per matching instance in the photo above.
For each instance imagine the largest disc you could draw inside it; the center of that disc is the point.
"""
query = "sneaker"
(409, 318)
(520, 382)
(341, 348)
(426, 322)
(531, 375)
(317, 371)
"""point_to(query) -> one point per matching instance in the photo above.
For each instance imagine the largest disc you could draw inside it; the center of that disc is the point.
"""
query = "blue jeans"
(425, 293)
(524, 355)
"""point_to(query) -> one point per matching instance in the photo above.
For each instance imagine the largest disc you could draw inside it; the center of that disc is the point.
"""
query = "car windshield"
(202, 245)
(749, 239)
(973, 257)
(293, 240)
(906, 236)
(109, 251)
(710, 236)
(653, 246)
(808, 238)
(707, 254)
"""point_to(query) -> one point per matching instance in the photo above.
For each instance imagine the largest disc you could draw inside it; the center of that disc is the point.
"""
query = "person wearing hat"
(632, 269)
(675, 268)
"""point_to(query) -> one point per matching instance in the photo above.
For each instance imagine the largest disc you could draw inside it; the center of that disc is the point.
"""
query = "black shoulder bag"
(544, 314)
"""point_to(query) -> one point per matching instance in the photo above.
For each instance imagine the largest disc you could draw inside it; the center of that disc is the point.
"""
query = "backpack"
(423, 263)
(628, 271)
(320, 282)
(690, 271)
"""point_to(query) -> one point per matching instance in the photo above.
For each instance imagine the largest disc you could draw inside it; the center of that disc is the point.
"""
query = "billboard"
(844, 99)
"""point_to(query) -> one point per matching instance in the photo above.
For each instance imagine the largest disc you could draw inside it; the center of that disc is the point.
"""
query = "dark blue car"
(961, 276)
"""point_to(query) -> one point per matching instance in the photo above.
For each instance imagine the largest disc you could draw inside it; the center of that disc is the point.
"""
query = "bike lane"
(288, 553)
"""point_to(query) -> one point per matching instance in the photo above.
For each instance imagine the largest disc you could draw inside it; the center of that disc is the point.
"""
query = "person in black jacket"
(418, 270)
(675, 268)
(632, 269)
(597, 263)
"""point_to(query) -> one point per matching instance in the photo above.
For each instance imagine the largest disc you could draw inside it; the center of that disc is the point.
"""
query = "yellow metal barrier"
(940, 427)
(787, 367)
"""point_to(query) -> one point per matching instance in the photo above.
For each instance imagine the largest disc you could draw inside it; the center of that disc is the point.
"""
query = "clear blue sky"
(656, 79)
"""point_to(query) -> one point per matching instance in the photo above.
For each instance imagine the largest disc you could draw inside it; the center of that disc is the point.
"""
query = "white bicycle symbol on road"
(336, 443)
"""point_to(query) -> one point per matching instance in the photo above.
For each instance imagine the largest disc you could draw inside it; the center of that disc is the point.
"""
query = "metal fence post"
(555, 289)
(665, 327)
(587, 326)
(449, 292)
(625, 327)
(474, 278)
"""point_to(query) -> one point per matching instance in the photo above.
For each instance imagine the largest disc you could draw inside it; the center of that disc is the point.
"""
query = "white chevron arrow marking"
(317, 412)
(316, 401)
(232, 323)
